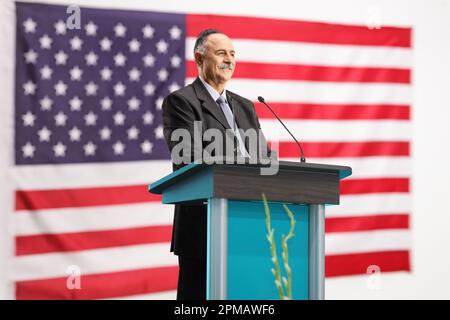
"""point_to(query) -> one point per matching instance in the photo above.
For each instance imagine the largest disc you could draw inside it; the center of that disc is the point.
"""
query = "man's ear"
(198, 59)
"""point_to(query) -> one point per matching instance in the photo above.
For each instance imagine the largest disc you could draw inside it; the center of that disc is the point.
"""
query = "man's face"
(217, 64)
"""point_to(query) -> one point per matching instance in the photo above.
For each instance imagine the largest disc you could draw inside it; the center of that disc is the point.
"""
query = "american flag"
(88, 139)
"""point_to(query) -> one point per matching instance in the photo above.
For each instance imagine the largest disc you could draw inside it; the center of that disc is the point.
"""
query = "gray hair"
(201, 39)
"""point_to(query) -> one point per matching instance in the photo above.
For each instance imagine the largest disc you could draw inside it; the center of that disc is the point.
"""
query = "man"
(206, 101)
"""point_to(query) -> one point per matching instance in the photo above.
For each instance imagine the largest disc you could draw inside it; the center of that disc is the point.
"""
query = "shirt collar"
(212, 92)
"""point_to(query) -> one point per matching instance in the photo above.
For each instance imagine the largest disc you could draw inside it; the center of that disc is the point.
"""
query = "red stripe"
(82, 197)
(98, 286)
(344, 149)
(348, 264)
(333, 111)
(293, 30)
(374, 185)
(365, 223)
(253, 70)
(44, 243)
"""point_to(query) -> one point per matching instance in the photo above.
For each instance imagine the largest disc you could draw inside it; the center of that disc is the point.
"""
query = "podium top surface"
(160, 185)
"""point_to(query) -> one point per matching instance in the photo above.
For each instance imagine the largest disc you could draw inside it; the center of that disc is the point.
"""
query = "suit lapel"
(208, 103)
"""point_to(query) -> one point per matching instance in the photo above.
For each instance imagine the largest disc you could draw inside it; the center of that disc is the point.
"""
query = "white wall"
(431, 120)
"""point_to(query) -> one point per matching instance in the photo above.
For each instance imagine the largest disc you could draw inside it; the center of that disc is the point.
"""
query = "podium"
(238, 256)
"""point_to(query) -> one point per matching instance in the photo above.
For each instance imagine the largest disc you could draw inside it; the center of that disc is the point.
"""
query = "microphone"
(302, 156)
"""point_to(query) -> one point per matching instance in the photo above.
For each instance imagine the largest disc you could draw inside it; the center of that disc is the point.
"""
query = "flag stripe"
(367, 204)
(98, 286)
(67, 220)
(278, 71)
(44, 243)
(373, 222)
(348, 264)
(367, 241)
(276, 29)
(374, 185)
(321, 92)
(337, 130)
(74, 198)
(345, 149)
(267, 51)
(103, 260)
(82, 197)
(333, 111)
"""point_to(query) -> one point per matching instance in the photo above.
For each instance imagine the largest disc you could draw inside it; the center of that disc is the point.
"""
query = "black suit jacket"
(180, 109)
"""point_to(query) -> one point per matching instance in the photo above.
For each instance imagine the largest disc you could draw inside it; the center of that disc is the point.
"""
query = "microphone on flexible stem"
(302, 156)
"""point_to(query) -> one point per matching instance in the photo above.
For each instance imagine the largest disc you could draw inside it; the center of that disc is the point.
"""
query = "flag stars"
(149, 89)
(105, 44)
(59, 149)
(28, 119)
(29, 25)
(119, 89)
(60, 119)
(89, 149)
(45, 41)
(91, 29)
(60, 88)
(147, 118)
(105, 133)
(28, 150)
(175, 61)
(146, 147)
(120, 30)
(173, 87)
(133, 133)
(149, 60)
(75, 134)
(75, 73)
(30, 56)
(61, 58)
(76, 43)
(134, 74)
(90, 119)
(75, 104)
(46, 72)
(29, 88)
(134, 45)
(46, 103)
(159, 103)
(119, 119)
(175, 33)
(106, 103)
(163, 74)
(159, 133)
(91, 58)
(44, 134)
(118, 148)
(91, 89)
(106, 73)
(148, 31)
(162, 46)
(133, 104)
(60, 27)
(119, 60)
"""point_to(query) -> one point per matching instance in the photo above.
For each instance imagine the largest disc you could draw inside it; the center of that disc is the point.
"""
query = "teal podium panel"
(249, 256)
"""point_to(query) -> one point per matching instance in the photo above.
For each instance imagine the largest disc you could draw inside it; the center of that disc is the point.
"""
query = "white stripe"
(268, 51)
(337, 130)
(369, 241)
(51, 265)
(320, 92)
(89, 175)
(368, 167)
(163, 295)
(367, 204)
(92, 218)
